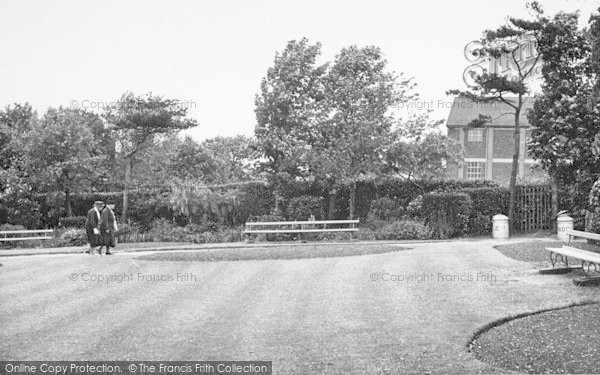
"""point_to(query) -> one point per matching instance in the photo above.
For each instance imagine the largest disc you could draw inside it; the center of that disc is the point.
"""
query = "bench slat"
(572, 252)
(26, 231)
(257, 231)
(264, 223)
(578, 233)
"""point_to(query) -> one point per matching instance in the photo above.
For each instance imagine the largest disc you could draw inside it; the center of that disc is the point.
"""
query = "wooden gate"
(533, 208)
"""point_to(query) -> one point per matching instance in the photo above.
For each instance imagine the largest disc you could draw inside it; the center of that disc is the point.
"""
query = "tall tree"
(137, 120)
(564, 119)
(59, 152)
(506, 43)
(15, 120)
(287, 111)
(361, 94)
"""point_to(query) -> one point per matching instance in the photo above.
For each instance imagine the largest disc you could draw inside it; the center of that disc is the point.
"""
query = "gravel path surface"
(409, 311)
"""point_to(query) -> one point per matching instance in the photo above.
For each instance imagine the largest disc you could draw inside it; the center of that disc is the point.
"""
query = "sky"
(212, 55)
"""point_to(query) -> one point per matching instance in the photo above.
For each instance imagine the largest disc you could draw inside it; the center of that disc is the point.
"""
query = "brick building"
(489, 149)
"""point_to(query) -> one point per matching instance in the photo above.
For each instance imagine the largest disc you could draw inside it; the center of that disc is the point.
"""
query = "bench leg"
(588, 268)
(558, 258)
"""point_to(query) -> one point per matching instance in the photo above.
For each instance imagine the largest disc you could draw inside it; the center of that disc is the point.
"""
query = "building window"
(475, 135)
(474, 171)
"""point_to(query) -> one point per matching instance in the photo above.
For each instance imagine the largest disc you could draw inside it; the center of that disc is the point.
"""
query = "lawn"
(534, 251)
(558, 341)
(409, 311)
(274, 252)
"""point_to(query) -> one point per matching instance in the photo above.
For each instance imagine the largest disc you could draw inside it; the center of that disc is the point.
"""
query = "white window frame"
(474, 170)
(475, 135)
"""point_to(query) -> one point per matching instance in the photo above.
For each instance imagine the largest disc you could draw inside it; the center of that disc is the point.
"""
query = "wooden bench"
(300, 227)
(25, 235)
(590, 261)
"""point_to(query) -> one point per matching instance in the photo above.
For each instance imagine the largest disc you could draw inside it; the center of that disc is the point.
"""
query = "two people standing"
(101, 228)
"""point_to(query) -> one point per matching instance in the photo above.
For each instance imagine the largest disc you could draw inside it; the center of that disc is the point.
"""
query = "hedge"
(485, 202)
(447, 214)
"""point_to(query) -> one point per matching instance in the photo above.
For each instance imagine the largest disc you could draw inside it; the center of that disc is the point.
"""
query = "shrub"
(594, 196)
(162, 230)
(592, 217)
(406, 230)
(397, 230)
(72, 222)
(447, 214)
(6, 227)
(73, 237)
(130, 232)
(302, 207)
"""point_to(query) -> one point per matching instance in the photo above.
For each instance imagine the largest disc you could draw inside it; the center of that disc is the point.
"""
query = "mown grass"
(557, 341)
(279, 252)
(535, 251)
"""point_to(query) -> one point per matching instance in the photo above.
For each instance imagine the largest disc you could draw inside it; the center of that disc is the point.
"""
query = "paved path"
(310, 316)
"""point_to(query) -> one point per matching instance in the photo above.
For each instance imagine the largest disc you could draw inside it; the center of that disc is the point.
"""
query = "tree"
(564, 124)
(287, 111)
(59, 152)
(420, 151)
(137, 121)
(360, 94)
(234, 158)
(330, 123)
(14, 121)
(492, 87)
(192, 161)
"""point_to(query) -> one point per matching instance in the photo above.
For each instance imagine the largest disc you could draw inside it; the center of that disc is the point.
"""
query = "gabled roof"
(464, 111)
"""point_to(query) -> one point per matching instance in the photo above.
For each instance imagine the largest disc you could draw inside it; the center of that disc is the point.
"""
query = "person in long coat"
(92, 226)
(108, 228)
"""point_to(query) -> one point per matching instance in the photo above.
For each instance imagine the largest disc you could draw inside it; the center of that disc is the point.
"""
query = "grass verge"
(280, 252)
(534, 251)
(560, 340)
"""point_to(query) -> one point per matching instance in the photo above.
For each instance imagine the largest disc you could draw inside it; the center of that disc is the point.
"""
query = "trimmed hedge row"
(386, 199)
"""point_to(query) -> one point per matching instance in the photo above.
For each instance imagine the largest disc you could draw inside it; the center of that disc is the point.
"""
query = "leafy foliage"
(566, 117)
(303, 207)
(593, 215)
(494, 87)
(447, 214)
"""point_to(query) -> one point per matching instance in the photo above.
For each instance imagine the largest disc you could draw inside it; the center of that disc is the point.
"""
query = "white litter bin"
(500, 226)
(563, 224)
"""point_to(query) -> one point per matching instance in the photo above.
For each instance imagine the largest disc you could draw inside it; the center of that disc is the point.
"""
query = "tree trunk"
(126, 188)
(554, 197)
(352, 200)
(512, 188)
(68, 209)
(331, 208)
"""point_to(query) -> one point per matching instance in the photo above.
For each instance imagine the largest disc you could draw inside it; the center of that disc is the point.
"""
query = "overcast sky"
(212, 55)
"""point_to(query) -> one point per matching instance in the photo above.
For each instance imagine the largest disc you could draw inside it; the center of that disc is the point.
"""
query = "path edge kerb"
(495, 323)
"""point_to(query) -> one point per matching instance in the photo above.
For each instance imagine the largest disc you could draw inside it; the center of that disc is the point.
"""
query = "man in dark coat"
(108, 228)
(92, 226)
